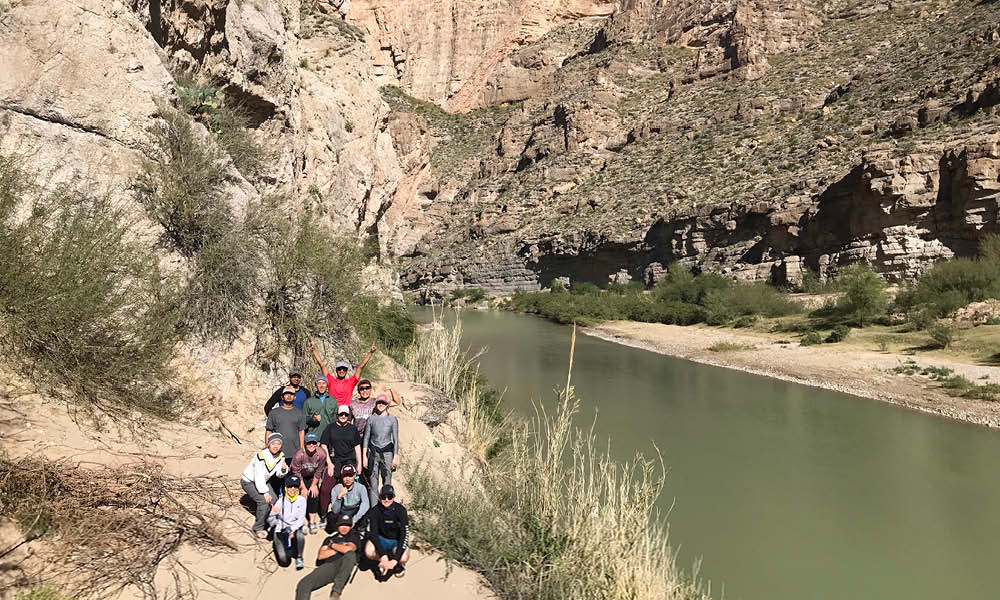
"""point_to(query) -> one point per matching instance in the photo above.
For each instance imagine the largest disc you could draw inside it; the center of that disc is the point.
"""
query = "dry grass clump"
(437, 358)
(555, 517)
(110, 527)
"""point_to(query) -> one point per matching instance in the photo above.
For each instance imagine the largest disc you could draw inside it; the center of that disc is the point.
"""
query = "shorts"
(387, 544)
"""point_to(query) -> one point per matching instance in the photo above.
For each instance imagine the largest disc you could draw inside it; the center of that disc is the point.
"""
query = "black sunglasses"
(364, 387)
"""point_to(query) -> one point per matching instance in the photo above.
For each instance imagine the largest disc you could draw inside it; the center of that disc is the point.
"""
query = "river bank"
(841, 368)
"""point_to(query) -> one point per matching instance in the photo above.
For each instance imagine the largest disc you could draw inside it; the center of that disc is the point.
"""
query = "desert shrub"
(632, 287)
(950, 285)
(987, 391)
(471, 295)
(45, 592)
(81, 299)
(557, 287)
(751, 299)
(730, 347)
(745, 321)
(310, 281)
(989, 248)
(811, 339)
(181, 185)
(182, 188)
(864, 296)
(584, 287)
(839, 334)
(681, 285)
(227, 120)
(942, 334)
(390, 326)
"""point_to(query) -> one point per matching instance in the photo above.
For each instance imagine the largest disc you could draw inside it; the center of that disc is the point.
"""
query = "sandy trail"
(857, 372)
(30, 423)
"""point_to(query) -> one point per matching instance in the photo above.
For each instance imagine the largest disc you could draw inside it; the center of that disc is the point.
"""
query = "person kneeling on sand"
(265, 464)
(349, 497)
(288, 517)
(336, 559)
(308, 464)
(389, 542)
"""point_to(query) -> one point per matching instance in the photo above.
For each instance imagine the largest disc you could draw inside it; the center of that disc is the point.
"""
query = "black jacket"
(393, 524)
(275, 398)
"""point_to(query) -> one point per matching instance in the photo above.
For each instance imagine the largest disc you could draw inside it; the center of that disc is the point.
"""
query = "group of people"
(327, 463)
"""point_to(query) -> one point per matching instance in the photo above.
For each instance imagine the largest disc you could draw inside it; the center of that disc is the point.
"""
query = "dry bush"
(111, 527)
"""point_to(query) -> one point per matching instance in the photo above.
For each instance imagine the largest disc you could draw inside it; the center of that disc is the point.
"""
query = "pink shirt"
(342, 389)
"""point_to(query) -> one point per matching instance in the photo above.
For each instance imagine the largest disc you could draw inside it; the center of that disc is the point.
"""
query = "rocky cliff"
(754, 138)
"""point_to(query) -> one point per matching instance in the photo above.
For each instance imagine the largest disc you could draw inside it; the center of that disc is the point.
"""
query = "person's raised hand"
(312, 344)
(373, 349)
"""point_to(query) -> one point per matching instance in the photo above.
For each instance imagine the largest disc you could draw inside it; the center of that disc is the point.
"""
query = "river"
(783, 491)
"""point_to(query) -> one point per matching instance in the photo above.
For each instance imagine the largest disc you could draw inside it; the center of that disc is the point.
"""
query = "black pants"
(312, 504)
(284, 551)
(336, 570)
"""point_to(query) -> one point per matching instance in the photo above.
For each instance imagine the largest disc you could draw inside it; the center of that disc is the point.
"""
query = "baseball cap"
(295, 374)
(387, 491)
(342, 364)
(343, 408)
(311, 437)
(382, 399)
(348, 471)
(321, 378)
(292, 481)
(343, 520)
(288, 390)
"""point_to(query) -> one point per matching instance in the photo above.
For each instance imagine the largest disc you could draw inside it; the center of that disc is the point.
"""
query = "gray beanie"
(275, 436)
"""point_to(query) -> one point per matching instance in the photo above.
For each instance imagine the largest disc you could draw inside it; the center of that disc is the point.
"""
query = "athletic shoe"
(312, 527)
(299, 565)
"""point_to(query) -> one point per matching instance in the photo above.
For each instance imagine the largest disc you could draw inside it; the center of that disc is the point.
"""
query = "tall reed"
(556, 518)
(437, 358)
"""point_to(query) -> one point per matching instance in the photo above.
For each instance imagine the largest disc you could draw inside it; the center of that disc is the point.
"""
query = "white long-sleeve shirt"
(292, 515)
(262, 467)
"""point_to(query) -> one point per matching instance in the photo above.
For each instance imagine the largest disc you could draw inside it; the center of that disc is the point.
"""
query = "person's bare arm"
(302, 438)
(326, 552)
(344, 548)
(267, 434)
(364, 361)
(397, 400)
(322, 367)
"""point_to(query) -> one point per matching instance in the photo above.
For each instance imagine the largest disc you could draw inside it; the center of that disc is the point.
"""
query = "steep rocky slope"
(751, 138)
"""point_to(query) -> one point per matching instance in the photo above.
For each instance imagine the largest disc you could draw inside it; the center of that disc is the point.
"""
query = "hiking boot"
(334, 595)
(299, 565)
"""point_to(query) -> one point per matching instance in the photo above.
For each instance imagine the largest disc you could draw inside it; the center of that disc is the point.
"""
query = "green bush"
(181, 185)
(989, 248)
(864, 296)
(584, 287)
(943, 335)
(950, 285)
(80, 298)
(390, 326)
(470, 295)
(182, 188)
(310, 282)
(839, 334)
(811, 339)
(45, 592)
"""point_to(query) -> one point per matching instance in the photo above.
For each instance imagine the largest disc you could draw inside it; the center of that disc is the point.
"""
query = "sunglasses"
(386, 497)
(364, 387)
(311, 443)
(344, 369)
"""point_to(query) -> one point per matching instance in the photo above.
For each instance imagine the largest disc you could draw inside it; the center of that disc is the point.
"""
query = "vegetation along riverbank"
(933, 345)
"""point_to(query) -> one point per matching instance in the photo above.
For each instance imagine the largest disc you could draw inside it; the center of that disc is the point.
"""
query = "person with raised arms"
(340, 385)
(267, 463)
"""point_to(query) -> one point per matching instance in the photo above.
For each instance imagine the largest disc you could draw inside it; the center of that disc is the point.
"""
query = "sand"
(30, 422)
(858, 372)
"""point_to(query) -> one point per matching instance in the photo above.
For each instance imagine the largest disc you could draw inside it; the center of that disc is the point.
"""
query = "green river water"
(783, 491)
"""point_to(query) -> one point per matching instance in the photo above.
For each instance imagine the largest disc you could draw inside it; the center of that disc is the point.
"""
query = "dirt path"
(28, 422)
(858, 372)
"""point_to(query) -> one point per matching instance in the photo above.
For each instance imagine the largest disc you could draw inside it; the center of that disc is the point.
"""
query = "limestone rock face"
(446, 51)
(752, 138)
